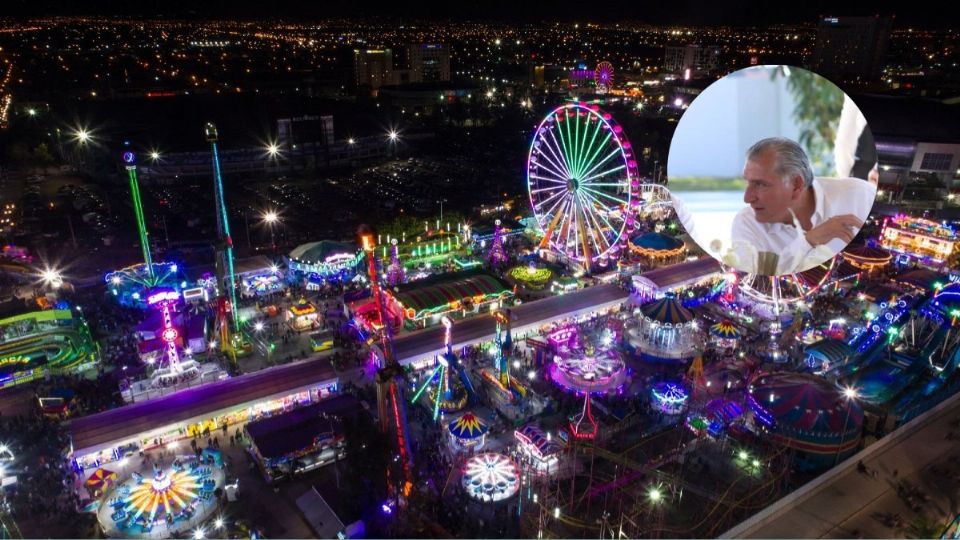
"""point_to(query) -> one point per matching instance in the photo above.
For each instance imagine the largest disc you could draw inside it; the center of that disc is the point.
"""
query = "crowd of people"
(42, 500)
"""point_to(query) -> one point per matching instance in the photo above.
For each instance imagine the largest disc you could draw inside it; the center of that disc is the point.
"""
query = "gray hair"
(791, 159)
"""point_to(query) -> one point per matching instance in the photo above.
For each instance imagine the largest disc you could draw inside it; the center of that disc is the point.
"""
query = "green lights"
(141, 224)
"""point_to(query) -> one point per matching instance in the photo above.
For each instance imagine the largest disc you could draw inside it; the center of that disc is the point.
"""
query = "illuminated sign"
(163, 296)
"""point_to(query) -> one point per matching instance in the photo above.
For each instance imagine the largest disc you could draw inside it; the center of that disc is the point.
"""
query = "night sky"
(750, 12)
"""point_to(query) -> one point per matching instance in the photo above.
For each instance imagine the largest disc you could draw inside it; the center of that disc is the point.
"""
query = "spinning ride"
(583, 181)
(590, 370)
(490, 477)
(449, 386)
(171, 501)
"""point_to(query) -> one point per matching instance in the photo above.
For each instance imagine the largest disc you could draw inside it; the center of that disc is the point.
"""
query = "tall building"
(697, 58)
(851, 49)
(429, 62)
(373, 68)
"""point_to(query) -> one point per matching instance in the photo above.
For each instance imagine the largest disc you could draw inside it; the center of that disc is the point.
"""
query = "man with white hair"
(795, 221)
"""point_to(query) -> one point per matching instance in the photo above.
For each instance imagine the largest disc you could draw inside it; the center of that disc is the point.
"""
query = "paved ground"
(852, 503)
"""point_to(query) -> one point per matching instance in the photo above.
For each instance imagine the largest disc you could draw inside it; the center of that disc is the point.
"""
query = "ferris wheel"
(653, 199)
(583, 181)
(787, 289)
(603, 76)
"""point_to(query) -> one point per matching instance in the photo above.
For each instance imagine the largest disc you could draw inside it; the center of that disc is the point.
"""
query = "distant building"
(429, 62)
(697, 58)
(851, 48)
(372, 68)
(918, 150)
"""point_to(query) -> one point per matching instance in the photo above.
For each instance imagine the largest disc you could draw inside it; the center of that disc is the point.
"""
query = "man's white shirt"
(833, 197)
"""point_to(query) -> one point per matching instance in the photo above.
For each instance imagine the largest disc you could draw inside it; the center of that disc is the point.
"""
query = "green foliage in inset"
(817, 112)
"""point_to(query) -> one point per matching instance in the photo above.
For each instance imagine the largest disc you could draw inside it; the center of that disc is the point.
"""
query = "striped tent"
(725, 330)
(419, 301)
(468, 426)
(806, 412)
(666, 311)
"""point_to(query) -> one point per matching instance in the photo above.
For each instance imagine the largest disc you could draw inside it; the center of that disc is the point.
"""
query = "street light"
(850, 393)
(273, 149)
(392, 135)
(271, 218)
(655, 495)
(154, 155)
(32, 112)
(81, 135)
(258, 326)
(51, 277)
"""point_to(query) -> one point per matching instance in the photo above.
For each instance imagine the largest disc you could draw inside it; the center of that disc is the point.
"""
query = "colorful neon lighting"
(583, 183)
(130, 159)
(490, 477)
(223, 225)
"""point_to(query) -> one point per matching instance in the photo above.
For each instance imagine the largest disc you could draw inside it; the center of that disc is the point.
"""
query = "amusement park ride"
(583, 184)
(228, 323)
(449, 394)
(131, 285)
(391, 379)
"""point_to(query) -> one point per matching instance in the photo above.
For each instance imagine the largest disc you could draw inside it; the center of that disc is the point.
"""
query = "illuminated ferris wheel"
(603, 76)
(788, 289)
(582, 179)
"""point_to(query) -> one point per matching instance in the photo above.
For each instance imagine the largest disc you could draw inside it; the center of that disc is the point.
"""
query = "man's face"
(766, 192)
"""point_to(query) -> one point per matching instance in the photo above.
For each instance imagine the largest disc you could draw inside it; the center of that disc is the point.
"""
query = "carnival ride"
(669, 397)
(228, 321)
(36, 343)
(603, 76)
(467, 432)
(169, 501)
(490, 477)
(590, 370)
(583, 184)
(782, 292)
(450, 386)
(390, 377)
(174, 370)
(132, 285)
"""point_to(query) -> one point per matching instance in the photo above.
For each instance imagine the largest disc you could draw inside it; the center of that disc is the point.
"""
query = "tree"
(817, 112)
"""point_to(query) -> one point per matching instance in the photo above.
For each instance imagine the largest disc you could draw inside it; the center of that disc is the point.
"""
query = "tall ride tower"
(130, 162)
(390, 376)
(227, 300)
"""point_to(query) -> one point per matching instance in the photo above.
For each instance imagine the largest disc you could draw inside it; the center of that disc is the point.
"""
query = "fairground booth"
(302, 316)
(929, 243)
(423, 302)
(538, 448)
(258, 275)
(303, 439)
(326, 261)
(676, 278)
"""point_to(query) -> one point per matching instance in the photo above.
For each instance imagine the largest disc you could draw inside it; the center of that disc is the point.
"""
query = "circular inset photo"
(772, 170)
